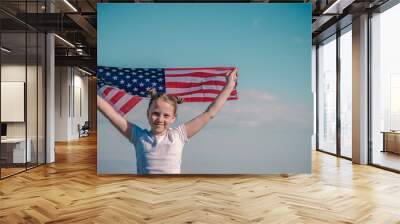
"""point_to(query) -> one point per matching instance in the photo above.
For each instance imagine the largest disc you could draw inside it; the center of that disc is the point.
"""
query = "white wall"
(71, 93)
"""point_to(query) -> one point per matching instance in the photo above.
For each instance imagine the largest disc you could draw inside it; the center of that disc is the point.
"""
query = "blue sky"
(268, 130)
(269, 43)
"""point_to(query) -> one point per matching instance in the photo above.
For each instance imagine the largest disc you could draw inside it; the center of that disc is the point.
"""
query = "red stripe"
(107, 90)
(212, 68)
(215, 91)
(203, 99)
(130, 104)
(117, 96)
(188, 85)
(196, 74)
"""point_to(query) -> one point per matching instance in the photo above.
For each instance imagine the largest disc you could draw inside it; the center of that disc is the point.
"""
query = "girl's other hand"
(231, 78)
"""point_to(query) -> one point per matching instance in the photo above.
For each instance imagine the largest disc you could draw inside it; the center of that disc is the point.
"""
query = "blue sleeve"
(135, 132)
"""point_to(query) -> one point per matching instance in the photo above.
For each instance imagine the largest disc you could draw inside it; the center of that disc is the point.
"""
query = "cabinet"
(391, 141)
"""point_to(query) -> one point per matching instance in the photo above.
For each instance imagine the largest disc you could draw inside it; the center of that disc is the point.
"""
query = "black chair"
(84, 130)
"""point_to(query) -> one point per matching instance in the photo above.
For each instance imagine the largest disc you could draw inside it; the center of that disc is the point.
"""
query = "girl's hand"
(231, 78)
(195, 125)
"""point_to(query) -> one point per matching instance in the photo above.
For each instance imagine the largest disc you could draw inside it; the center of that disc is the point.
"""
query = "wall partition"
(345, 60)
(22, 88)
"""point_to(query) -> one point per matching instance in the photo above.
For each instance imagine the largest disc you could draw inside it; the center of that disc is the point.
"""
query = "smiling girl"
(159, 150)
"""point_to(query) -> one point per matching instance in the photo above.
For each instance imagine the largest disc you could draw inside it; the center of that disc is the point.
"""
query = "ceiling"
(76, 21)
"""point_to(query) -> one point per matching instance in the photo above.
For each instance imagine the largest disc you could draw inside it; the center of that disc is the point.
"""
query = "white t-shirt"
(158, 154)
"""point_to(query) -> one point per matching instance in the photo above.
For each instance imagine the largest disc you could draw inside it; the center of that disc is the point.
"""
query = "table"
(13, 150)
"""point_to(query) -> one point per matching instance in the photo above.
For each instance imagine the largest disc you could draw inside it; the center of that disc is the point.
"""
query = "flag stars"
(160, 79)
(122, 82)
(128, 76)
(108, 73)
(135, 89)
(134, 80)
(115, 77)
(160, 88)
(141, 84)
(147, 80)
(140, 76)
(153, 84)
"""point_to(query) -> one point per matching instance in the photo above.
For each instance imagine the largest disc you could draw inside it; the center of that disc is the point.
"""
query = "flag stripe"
(122, 101)
(210, 68)
(201, 95)
(201, 91)
(117, 96)
(204, 99)
(188, 85)
(195, 88)
(195, 79)
(130, 104)
(195, 73)
(107, 91)
(111, 94)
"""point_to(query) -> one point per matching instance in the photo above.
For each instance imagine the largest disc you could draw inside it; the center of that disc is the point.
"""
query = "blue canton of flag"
(135, 81)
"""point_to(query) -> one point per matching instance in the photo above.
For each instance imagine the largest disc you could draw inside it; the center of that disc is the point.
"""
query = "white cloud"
(255, 108)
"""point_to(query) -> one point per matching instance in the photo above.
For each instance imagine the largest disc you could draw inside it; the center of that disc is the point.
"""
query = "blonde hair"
(172, 100)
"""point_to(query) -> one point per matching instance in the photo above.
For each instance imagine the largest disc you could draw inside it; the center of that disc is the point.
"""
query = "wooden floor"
(70, 191)
(387, 159)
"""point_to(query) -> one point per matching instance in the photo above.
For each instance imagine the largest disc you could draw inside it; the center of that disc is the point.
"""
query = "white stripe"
(205, 95)
(101, 90)
(111, 94)
(190, 71)
(213, 95)
(194, 79)
(121, 102)
(184, 90)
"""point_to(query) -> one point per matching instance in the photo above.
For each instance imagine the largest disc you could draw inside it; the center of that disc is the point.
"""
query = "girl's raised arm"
(195, 125)
(116, 119)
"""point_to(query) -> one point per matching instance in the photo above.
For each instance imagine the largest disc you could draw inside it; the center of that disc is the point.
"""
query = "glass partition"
(22, 88)
(13, 94)
(327, 95)
(385, 89)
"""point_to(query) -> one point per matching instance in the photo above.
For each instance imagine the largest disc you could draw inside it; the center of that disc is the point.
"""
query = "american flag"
(191, 84)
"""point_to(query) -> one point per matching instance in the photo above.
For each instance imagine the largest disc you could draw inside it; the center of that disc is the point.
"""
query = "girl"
(159, 150)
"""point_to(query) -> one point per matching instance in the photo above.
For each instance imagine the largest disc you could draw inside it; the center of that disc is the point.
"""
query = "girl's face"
(160, 115)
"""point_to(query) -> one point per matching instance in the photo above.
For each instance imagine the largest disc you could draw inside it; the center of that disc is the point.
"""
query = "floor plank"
(70, 191)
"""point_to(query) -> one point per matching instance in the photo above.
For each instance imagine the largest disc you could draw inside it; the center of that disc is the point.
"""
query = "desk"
(15, 148)
(391, 141)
